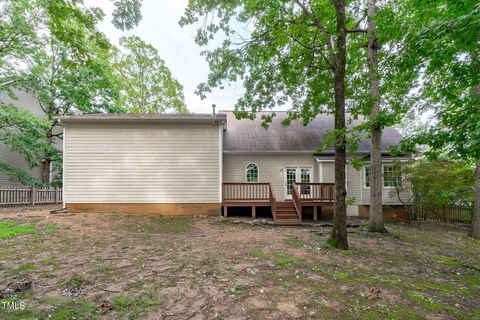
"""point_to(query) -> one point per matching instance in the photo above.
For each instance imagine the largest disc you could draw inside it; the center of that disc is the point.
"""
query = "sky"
(159, 27)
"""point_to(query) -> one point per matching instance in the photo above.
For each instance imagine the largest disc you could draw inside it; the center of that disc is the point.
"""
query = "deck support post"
(254, 212)
(315, 213)
(225, 211)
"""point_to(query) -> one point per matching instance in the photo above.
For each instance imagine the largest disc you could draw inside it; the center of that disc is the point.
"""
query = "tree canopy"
(54, 50)
(146, 84)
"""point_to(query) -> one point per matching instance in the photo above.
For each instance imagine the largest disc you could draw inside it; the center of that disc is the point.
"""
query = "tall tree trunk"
(339, 230)
(475, 231)
(45, 168)
(46, 163)
(375, 220)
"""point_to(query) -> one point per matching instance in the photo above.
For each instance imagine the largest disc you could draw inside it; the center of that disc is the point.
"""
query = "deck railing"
(12, 195)
(315, 192)
(247, 191)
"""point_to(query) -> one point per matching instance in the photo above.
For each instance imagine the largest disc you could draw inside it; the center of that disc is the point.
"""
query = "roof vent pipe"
(213, 107)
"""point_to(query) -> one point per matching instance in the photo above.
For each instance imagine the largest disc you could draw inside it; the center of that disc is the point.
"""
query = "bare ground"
(115, 266)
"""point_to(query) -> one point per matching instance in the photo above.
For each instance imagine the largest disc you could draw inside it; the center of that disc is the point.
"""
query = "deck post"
(315, 213)
(254, 212)
(225, 211)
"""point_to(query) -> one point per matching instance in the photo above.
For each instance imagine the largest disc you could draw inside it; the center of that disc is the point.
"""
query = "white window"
(391, 175)
(366, 176)
(251, 173)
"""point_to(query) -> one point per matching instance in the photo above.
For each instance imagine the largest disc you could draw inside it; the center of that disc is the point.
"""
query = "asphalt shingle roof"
(249, 135)
(143, 117)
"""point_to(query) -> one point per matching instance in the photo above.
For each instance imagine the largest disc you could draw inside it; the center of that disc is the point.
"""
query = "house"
(196, 164)
(27, 101)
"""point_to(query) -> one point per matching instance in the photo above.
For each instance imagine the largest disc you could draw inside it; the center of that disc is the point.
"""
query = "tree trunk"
(475, 231)
(46, 171)
(375, 220)
(46, 163)
(339, 230)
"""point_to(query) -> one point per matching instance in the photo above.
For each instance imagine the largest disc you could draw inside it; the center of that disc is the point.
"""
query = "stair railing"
(273, 202)
(297, 201)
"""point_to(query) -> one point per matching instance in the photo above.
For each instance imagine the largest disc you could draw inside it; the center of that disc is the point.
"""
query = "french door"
(296, 175)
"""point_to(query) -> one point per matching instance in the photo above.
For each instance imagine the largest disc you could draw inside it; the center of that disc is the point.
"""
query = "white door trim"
(297, 178)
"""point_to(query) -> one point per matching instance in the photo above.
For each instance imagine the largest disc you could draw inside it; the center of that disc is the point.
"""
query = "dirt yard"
(110, 266)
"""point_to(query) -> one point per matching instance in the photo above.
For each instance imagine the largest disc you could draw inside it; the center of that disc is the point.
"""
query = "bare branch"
(357, 30)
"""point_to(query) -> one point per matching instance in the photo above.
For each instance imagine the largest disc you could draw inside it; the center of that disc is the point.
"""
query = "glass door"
(297, 174)
(305, 175)
(290, 178)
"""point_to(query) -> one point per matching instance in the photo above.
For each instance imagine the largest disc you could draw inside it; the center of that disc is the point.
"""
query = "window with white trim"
(251, 173)
(391, 175)
(366, 176)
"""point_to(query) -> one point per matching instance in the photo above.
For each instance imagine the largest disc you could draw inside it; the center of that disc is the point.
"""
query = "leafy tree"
(24, 133)
(295, 53)
(449, 50)
(53, 49)
(146, 84)
(65, 86)
(439, 182)
(127, 14)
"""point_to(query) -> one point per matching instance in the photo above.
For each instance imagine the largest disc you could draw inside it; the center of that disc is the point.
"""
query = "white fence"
(29, 195)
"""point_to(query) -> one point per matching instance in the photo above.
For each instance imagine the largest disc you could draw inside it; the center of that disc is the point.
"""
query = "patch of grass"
(448, 261)
(445, 288)
(11, 229)
(284, 259)
(101, 267)
(11, 309)
(329, 244)
(157, 224)
(427, 303)
(74, 309)
(389, 312)
(135, 307)
(75, 282)
(342, 276)
(51, 228)
(26, 267)
(138, 262)
(355, 277)
(258, 254)
(238, 291)
(390, 282)
(51, 261)
(296, 242)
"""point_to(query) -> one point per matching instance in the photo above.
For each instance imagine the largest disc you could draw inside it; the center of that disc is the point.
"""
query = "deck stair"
(286, 214)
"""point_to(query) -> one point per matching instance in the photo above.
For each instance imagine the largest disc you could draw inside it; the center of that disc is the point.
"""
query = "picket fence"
(12, 195)
(451, 214)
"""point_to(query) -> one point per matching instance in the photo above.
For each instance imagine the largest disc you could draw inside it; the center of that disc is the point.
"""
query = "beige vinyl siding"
(17, 160)
(270, 168)
(356, 186)
(27, 101)
(142, 163)
(389, 195)
(23, 100)
(328, 172)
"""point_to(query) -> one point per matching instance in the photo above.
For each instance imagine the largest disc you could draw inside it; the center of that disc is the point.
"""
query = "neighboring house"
(176, 164)
(29, 102)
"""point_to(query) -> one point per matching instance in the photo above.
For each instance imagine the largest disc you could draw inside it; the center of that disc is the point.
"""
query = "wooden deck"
(289, 212)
